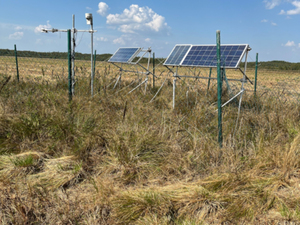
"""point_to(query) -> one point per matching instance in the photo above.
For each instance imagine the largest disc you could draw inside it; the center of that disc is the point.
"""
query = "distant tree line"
(52, 55)
(270, 65)
(273, 65)
(64, 55)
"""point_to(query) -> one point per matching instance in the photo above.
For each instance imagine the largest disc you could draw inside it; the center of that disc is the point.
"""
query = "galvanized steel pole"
(69, 65)
(92, 71)
(174, 91)
(220, 82)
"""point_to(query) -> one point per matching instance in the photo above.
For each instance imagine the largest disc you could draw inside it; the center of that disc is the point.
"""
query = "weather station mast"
(89, 21)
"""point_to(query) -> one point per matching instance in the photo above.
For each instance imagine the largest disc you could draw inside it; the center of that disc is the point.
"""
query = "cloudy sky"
(270, 27)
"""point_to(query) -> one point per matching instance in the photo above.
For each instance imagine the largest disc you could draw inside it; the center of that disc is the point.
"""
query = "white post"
(174, 91)
(73, 57)
(92, 70)
(89, 20)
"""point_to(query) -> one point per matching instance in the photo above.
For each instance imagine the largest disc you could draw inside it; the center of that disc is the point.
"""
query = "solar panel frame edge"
(134, 55)
(172, 52)
(242, 55)
(229, 67)
(138, 49)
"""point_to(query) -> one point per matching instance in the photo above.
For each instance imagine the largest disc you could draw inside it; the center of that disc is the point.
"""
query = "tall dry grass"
(118, 159)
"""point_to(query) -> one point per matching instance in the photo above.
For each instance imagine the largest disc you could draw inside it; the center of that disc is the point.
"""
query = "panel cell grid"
(123, 55)
(177, 55)
(206, 55)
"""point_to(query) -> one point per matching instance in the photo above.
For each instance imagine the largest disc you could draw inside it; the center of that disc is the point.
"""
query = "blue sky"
(270, 27)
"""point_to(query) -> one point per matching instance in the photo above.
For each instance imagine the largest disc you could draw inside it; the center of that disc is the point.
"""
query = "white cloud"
(119, 40)
(299, 45)
(128, 39)
(292, 11)
(101, 39)
(157, 22)
(147, 39)
(290, 44)
(296, 10)
(102, 8)
(270, 4)
(18, 28)
(266, 21)
(16, 36)
(39, 28)
(38, 41)
(137, 19)
(88, 8)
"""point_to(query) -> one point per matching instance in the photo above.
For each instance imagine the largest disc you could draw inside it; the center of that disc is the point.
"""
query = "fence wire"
(282, 83)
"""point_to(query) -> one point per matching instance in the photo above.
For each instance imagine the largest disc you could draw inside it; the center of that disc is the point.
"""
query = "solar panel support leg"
(119, 79)
(174, 91)
(158, 90)
(145, 81)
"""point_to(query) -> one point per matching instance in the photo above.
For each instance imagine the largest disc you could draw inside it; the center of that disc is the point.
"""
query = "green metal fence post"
(17, 66)
(153, 69)
(256, 65)
(69, 65)
(220, 82)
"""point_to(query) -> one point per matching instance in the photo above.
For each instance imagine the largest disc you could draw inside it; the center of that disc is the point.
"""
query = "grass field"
(118, 159)
(53, 69)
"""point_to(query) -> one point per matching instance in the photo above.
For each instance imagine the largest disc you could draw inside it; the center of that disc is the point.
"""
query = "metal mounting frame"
(74, 31)
(244, 80)
(135, 61)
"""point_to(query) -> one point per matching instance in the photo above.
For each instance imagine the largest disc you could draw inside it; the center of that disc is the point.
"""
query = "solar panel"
(124, 55)
(206, 56)
(177, 54)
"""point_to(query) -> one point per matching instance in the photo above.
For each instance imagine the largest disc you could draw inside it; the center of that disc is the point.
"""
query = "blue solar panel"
(177, 55)
(206, 55)
(124, 55)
